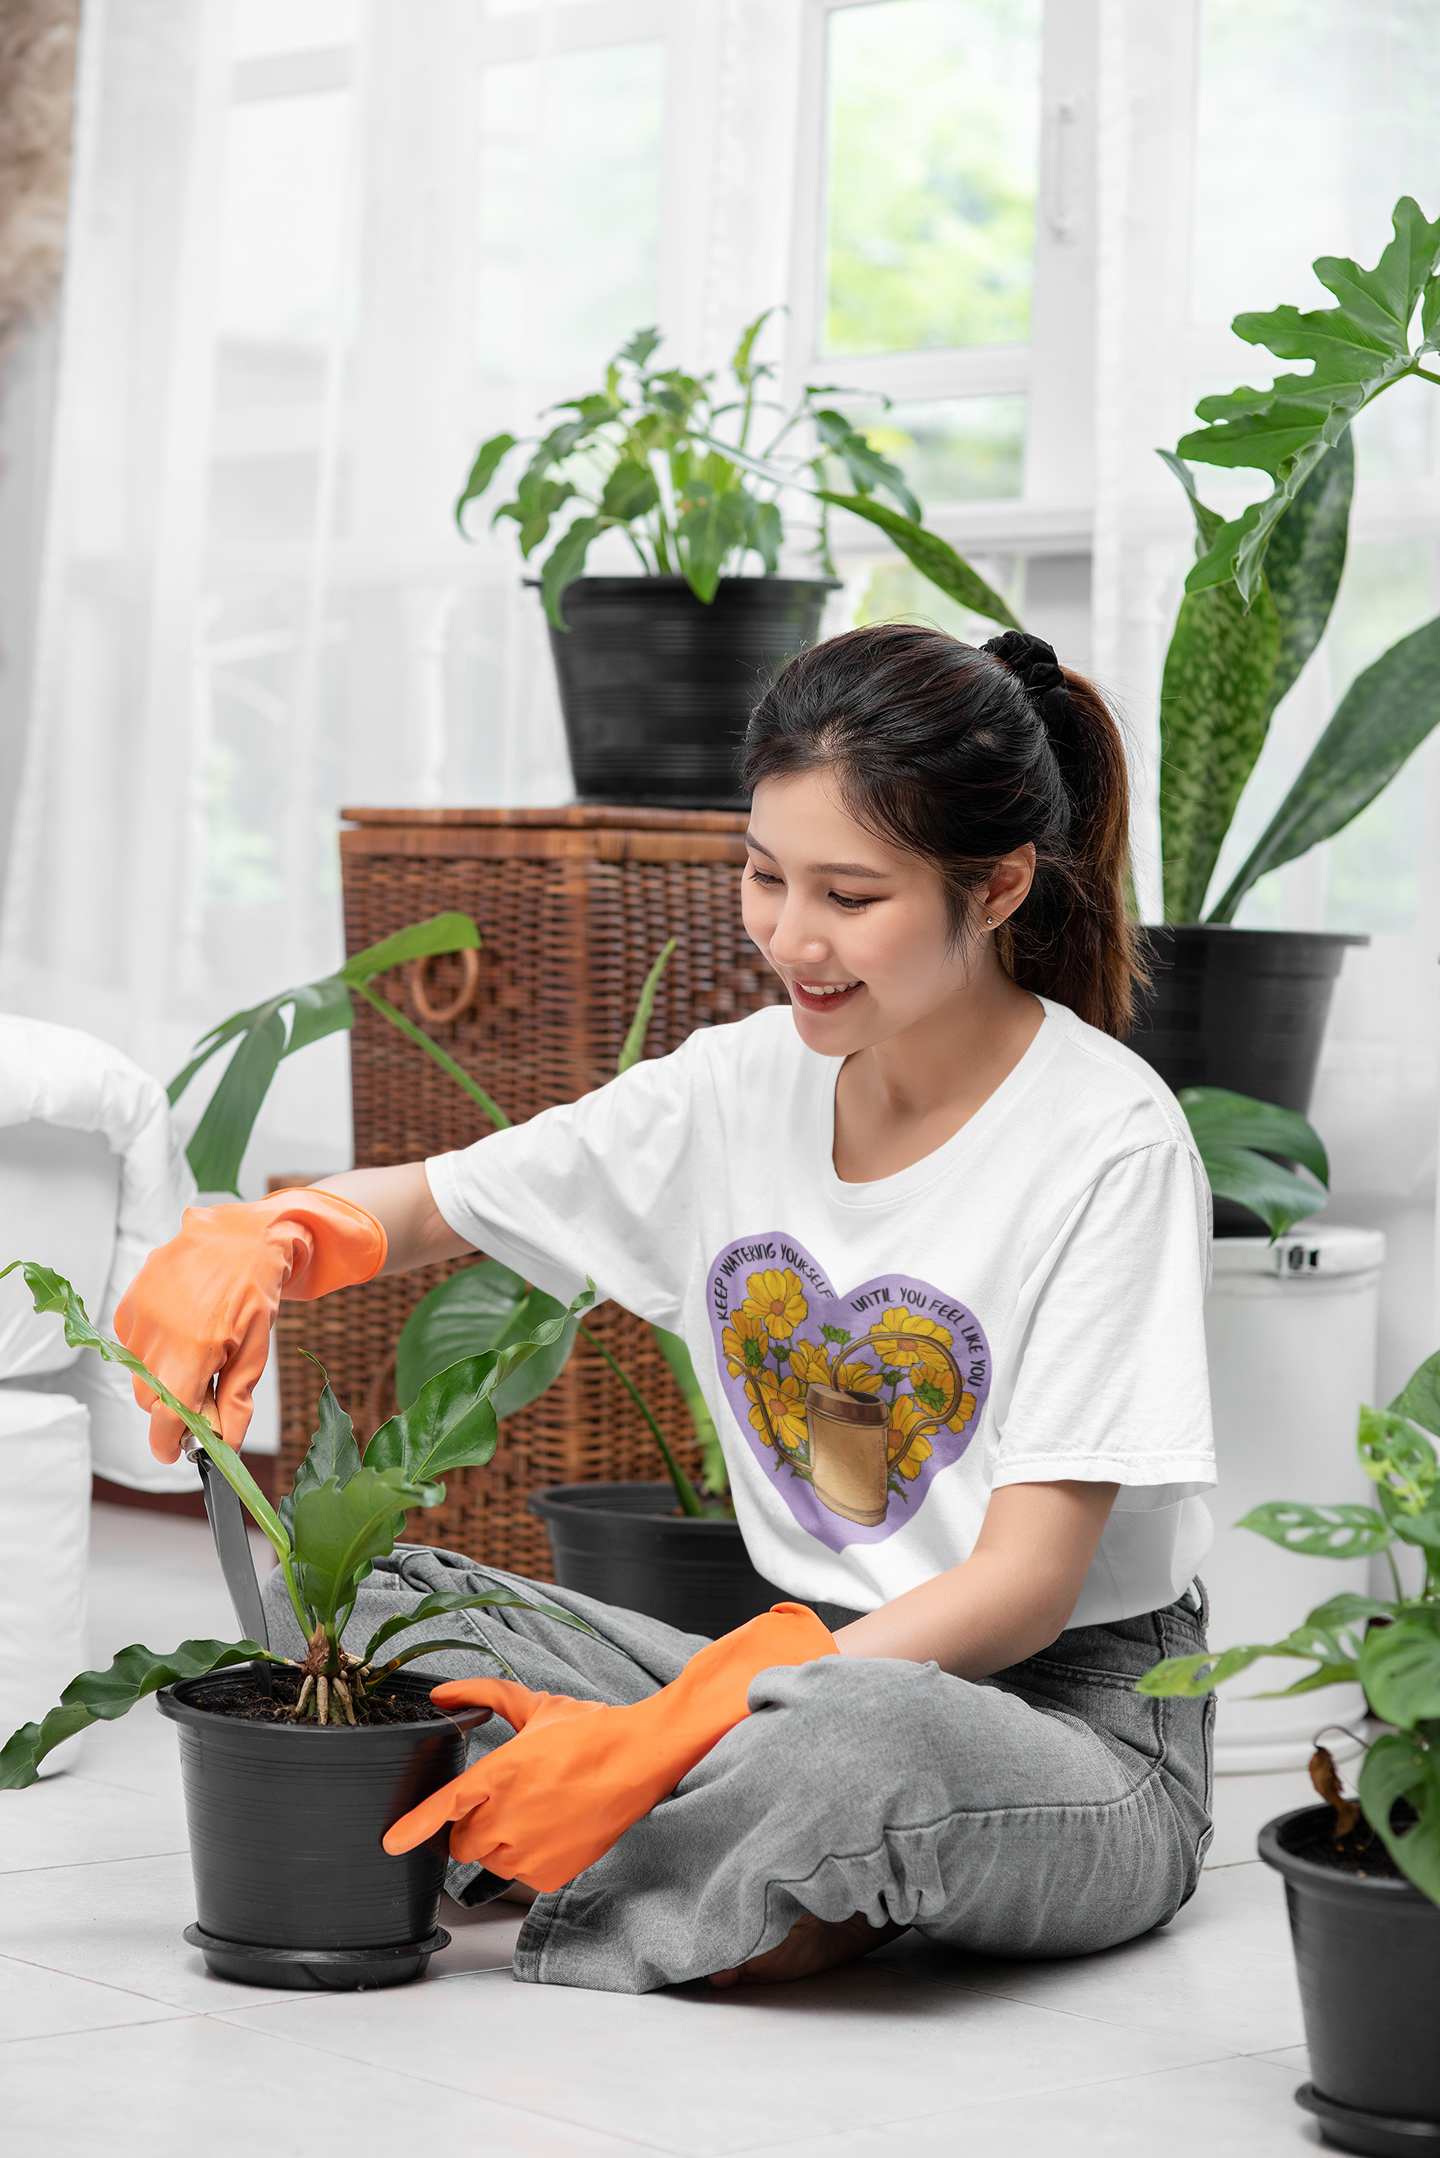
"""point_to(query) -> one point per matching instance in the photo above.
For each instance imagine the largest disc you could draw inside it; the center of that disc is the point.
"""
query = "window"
(944, 264)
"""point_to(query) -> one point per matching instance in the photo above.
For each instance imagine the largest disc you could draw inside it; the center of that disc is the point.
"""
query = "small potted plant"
(658, 672)
(1362, 1875)
(293, 1770)
(1247, 1009)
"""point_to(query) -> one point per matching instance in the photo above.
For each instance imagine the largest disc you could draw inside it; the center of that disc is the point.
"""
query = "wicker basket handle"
(440, 1015)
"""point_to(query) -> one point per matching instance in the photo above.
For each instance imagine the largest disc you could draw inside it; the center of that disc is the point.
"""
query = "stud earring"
(989, 921)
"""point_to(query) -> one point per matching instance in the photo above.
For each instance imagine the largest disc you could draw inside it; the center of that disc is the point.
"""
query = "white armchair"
(91, 1179)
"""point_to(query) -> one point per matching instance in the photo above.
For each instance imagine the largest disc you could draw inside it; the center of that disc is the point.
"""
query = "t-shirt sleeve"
(1111, 1384)
(600, 1187)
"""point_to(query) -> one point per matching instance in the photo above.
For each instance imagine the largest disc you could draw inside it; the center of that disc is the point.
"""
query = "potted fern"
(294, 1769)
(1247, 1008)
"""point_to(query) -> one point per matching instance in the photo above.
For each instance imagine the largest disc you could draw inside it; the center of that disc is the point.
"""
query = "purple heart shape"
(906, 1367)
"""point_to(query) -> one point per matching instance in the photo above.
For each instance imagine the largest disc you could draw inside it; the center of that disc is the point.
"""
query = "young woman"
(939, 1245)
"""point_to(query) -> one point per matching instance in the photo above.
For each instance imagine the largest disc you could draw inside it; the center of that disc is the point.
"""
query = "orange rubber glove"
(204, 1303)
(577, 1774)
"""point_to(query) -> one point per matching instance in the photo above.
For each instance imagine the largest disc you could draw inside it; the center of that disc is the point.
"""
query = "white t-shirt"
(1023, 1305)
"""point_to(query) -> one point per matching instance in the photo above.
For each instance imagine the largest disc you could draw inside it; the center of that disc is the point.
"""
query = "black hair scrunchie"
(1033, 663)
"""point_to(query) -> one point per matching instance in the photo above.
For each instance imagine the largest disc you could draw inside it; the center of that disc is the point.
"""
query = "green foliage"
(487, 1306)
(931, 182)
(1342, 1531)
(443, 1601)
(1359, 349)
(332, 1453)
(316, 1009)
(934, 557)
(451, 1423)
(1215, 709)
(51, 1292)
(1400, 1668)
(666, 459)
(342, 1528)
(1284, 558)
(1306, 561)
(714, 1471)
(633, 1047)
(101, 1696)
(1235, 1136)
(340, 1516)
(1406, 1765)
(1392, 1647)
(1382, 719)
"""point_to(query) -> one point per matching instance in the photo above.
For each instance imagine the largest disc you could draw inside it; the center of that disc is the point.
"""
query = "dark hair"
(960, 754)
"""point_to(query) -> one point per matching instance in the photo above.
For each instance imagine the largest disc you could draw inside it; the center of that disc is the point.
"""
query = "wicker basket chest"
(573, 905)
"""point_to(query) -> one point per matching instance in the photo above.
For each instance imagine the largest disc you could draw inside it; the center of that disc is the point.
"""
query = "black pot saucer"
(333, 1970)
(1375, 2135)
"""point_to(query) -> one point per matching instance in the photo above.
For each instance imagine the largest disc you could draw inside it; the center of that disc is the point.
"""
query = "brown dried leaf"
(1327, 1782)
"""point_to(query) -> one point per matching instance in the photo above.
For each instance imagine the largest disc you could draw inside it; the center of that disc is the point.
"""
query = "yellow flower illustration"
(744, 1344)
(856, 1379)
(777, 1300)
(901, 1320)
(809, 1365)
(783, 1413)
(905, 1415)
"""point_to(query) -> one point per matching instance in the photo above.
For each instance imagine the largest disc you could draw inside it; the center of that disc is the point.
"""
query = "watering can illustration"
(851, 1451)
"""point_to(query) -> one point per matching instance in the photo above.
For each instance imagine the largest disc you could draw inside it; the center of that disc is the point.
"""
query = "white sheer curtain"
(319, 248)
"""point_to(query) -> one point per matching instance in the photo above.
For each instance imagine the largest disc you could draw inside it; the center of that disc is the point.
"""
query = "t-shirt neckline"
(944, 1159)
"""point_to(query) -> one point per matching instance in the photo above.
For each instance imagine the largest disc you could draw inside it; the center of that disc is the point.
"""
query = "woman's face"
(857, 929)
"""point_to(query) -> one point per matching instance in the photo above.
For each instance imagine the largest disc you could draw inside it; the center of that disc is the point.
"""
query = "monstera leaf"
(1358, 350)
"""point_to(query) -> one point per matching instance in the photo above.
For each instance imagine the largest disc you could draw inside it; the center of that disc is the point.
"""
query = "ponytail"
(961, 754)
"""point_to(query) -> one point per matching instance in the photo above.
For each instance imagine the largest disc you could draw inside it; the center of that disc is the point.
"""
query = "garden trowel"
(227, 1526)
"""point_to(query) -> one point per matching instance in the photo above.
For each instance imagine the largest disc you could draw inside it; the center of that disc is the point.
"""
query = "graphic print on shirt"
(853, 1400)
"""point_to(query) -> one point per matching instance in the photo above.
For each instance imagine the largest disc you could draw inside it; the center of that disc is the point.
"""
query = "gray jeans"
(1048, 1811)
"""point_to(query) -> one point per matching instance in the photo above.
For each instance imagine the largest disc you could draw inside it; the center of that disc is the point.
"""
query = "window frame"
(1053, 513)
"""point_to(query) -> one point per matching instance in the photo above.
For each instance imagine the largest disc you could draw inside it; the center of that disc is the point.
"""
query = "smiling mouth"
(823, 996)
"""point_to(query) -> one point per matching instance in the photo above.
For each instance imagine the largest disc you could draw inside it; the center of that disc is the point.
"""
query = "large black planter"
(292, 1887)
(1368, 1957)
(1239, 1008)
(656, 687)
(627, 1545)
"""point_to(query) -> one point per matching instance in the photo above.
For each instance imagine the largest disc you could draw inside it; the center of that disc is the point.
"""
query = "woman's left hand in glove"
(577, 1774)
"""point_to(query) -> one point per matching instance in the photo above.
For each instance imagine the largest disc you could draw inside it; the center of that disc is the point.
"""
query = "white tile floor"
(115, 2039)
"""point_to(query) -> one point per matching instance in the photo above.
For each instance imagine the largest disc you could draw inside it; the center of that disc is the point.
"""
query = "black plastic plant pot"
(1368, 1956)
(1239, 1008)
(292, 1887)
(627, 1545)
(656, 687)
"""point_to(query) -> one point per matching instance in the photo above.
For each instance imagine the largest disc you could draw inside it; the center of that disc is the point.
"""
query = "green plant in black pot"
(295, 1768)
(1363, 1875)
(1256, 604)
(658, 672)
(1260, 594)
(340, 1516)
(693, 476)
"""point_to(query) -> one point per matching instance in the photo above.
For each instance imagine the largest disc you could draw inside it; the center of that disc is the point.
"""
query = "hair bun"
(1033, 663)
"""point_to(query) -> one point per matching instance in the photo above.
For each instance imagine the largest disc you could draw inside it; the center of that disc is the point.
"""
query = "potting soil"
(249, 1705)
(1360, 1853)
